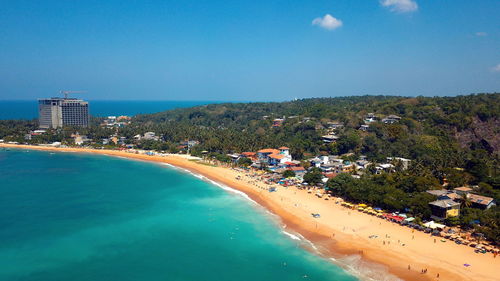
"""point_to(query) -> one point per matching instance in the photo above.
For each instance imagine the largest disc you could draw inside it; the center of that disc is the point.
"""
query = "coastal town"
(250, 140)
(392, 200)
(274, 168)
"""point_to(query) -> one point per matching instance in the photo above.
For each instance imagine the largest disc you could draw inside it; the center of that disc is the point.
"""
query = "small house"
(278, 122)
(391, 119)
(481, 202)
(463, 190)
(250, 155)
(299, 171)
(443, 209)
(364, 128)
(329, 138)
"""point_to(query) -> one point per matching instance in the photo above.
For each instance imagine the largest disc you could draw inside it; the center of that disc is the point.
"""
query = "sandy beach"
(341, 232)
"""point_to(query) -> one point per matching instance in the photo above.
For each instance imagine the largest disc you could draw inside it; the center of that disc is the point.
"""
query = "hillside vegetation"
(437, 132)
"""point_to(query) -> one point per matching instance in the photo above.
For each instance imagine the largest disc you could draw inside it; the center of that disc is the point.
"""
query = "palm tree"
(465, 201)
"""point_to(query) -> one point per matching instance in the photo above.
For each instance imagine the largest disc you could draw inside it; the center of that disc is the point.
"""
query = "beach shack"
(443, 209)
(299, 171)
(481, 202)
(463, 190)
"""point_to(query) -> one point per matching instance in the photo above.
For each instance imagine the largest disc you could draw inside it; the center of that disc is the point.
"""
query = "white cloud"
(496, 68)
(327, 22)
(400, 6)
(481, 34)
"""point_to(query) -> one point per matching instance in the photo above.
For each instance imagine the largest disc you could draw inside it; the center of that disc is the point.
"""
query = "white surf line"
(223, 186)
(352, 264)
(292, 236)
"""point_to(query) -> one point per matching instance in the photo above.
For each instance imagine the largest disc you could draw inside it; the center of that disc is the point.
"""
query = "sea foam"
(353, 264)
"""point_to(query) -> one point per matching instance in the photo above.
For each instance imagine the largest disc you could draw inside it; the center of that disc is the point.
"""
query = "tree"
(244, 161)
(465, 201)
(288, 174)
(305, 164)
(340, 184)
(348, 142)
(452, 221)
(313, 177)
(419, 204)
(487, 189)
(456, 177)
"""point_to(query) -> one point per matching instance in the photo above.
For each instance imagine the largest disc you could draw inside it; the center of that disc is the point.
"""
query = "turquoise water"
(29, 109)
(67, 216)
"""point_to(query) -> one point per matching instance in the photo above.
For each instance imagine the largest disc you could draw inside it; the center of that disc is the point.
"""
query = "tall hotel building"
(58, 112)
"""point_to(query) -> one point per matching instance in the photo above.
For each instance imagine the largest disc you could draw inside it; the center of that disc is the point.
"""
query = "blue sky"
(248, 50)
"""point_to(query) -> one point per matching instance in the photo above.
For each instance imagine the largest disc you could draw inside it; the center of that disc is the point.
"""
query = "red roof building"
(277, 156)
(269, 150)
(330, 175)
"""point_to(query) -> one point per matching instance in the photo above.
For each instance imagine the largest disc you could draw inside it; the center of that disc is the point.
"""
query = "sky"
(248, 50)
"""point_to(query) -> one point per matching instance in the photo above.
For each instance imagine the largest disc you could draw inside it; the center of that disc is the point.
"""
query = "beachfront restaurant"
(443, 209)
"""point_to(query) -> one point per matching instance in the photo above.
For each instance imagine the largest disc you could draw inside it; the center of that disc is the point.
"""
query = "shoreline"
(339, 233)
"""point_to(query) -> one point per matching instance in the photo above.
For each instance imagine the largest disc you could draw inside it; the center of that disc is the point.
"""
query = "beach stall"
(434, 225)
(410, 219)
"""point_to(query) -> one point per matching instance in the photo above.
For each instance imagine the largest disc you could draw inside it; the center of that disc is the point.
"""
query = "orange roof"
(453, 196)
(248, 153)
(277, 156)
(297, 168)
(269, 150)
(330, 175)
(463, 188)
(283, 147)
(478, 199)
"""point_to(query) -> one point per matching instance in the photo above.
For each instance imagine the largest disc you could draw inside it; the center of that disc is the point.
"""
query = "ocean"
(69, 216)
(29, 109)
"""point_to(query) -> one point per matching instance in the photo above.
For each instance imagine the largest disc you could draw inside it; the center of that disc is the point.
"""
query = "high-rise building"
(58, 112)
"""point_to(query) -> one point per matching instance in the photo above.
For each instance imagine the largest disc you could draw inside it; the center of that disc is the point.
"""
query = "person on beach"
(409, 267)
